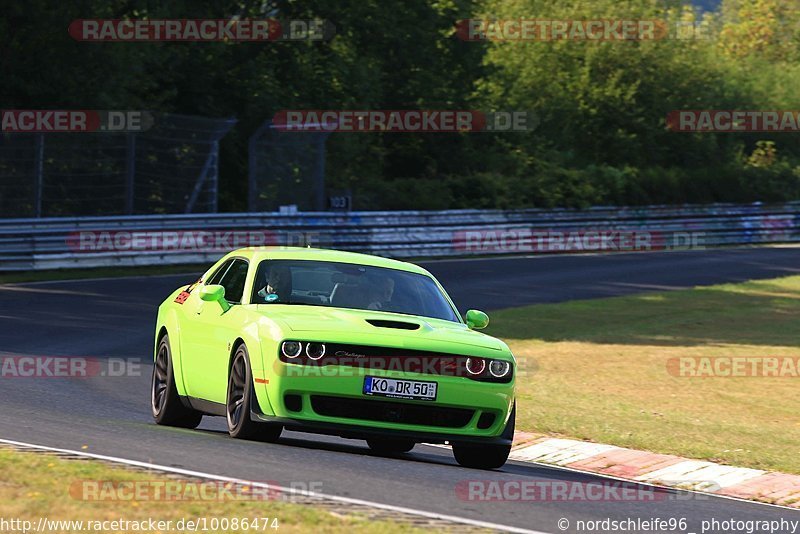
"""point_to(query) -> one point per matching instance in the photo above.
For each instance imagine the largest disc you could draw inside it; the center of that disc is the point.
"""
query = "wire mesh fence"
(170, 168)
(286, 168)
(20, 164)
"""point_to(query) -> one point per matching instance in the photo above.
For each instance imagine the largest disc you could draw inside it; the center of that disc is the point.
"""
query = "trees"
(765, 28)
(602, 105)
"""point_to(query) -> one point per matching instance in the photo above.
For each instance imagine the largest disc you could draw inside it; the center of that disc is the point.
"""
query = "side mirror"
(215, 293)
(476, 320)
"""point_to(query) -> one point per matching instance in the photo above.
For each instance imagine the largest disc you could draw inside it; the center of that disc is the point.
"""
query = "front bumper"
(352, 431)
(455, 415)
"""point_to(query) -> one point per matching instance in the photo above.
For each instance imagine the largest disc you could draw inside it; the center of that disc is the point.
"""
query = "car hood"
(360, 323)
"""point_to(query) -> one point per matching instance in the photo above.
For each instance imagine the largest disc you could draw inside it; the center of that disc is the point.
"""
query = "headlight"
(291, 349)
(475, 366)
(315, 351)
(499, 368)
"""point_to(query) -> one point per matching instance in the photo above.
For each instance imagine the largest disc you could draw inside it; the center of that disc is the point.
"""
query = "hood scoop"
(398, 325)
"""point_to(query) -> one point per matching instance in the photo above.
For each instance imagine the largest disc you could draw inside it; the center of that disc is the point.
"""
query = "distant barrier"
(50, 243)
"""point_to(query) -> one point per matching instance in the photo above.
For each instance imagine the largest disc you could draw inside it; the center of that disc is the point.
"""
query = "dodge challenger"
(332, 342)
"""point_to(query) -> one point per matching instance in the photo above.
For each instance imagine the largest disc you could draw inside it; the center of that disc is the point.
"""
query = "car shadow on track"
(422, 453)
(435, 455)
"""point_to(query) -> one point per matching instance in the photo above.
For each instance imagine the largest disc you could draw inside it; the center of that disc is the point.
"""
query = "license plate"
(400, 389)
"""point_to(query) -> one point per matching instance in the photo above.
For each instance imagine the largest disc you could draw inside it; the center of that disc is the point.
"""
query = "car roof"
(321, 254)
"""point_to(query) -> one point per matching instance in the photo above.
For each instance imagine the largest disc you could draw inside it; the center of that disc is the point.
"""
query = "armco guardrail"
(27, 244)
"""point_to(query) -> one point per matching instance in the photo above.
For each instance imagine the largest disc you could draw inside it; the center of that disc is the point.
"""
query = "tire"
(487, 456)
(481, 456)
(239, 401)
(165, 404)
(390, 445)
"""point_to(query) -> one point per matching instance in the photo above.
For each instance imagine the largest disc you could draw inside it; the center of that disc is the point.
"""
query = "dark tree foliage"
(602, 105)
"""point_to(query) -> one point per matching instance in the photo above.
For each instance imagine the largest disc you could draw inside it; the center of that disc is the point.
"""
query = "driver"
(279, 282)
(380, 293)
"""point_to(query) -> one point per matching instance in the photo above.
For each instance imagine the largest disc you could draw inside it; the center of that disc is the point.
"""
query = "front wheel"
(487, 456)
(481, 456)
(165, 404)
(240, 399)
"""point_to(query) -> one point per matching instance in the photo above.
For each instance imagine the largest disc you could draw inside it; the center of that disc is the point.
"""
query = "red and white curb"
(661, 469)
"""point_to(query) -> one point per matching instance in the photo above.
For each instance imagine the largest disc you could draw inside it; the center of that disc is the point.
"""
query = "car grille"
(391, 412)
(389, 359)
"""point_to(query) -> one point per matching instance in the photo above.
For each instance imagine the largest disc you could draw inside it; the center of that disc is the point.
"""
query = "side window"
(233, 281)
(219, 273)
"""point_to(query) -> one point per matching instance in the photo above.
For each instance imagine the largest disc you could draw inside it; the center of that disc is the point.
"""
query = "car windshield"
(347, 285)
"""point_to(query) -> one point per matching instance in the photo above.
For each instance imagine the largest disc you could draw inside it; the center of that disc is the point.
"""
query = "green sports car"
(335, 343)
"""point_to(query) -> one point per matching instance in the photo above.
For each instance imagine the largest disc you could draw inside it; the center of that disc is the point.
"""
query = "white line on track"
(261, 485)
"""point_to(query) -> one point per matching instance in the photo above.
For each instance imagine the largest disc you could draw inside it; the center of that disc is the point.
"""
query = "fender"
(168, 319)
(253, 341)
(267, 331)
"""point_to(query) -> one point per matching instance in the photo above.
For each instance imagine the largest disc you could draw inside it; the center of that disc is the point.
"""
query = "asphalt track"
(110, 415)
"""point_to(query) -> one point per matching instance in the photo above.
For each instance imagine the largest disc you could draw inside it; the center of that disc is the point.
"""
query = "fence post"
(214, 177)
(252, 161)
(201, 179)
(130, 172)
(320, 197)
(38, 175)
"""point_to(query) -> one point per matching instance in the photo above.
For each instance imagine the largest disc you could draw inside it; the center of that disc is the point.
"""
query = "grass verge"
(36, 485)
(600, 370)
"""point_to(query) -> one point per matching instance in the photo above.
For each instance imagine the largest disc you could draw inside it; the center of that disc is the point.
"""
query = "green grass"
(597, 370)
(9, 277)
(36, 485)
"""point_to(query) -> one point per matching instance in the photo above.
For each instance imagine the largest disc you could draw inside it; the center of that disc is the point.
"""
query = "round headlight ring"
(499, 368)
(471, 362)
(291, 349)
(315, 351)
